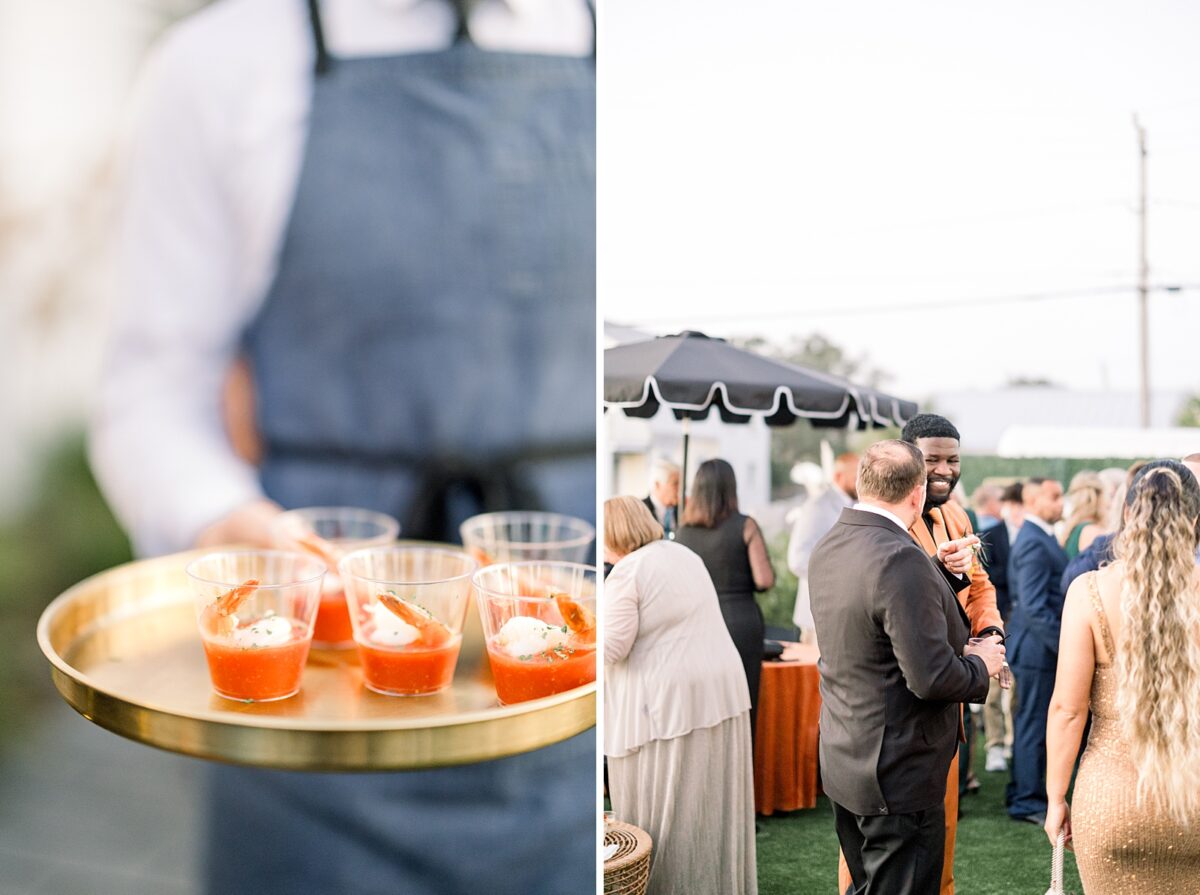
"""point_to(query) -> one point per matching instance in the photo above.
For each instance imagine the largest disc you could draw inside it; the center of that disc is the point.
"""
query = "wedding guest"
(985, 500)
(1088, 511)
(895, 666)
(676, 711)
(813, 520)
(944, 528)
(1115, 480)
(1192, 462)
(1130, 650)
(1100, 551)
(1035, 583)
(663, 499)
(997, 546)
(735, 554)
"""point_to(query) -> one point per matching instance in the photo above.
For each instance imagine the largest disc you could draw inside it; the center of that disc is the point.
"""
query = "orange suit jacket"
(976, 593)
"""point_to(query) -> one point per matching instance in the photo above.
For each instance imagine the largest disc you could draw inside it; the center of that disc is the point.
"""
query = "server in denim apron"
(427, 349)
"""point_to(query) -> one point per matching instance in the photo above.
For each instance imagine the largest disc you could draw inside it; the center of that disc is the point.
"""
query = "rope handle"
(1056, 866)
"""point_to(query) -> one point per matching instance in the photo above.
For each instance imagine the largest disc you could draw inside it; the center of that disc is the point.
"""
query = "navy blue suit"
(996, 553)
(1035, 570)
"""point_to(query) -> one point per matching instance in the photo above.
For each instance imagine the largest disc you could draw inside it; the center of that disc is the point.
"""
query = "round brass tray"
(125, 653)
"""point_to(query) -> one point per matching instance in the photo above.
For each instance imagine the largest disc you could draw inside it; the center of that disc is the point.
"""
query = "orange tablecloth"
(785, 753)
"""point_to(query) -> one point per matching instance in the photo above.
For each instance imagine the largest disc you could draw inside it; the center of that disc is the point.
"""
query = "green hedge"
(977, 468)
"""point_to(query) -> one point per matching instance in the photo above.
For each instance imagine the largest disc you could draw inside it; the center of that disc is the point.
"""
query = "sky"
(948, 189)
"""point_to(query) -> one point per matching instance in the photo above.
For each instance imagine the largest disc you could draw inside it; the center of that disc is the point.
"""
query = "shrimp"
(227, 604)
(430, 631)
(322, 549)
(481, 556)
(581, 622)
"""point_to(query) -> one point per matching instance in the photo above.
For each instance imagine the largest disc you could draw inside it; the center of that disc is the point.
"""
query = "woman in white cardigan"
(676, 711)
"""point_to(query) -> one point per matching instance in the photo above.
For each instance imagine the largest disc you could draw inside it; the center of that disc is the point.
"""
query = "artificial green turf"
(797, 852)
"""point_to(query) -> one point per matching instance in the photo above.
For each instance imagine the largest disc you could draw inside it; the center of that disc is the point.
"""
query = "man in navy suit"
(997, 547)
(1035, 570)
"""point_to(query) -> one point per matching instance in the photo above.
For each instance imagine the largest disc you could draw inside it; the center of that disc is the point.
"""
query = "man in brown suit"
(894, 668)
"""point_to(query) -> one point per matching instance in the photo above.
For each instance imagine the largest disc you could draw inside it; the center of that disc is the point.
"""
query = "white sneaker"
(995, 759)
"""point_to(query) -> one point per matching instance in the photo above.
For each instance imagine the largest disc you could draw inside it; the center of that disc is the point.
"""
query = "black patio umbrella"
(691, 373)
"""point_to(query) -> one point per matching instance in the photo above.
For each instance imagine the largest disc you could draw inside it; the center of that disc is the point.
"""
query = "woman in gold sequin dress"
(1130, 645)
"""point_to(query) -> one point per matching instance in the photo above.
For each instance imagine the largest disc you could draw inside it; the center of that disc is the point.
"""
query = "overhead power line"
(932, 305)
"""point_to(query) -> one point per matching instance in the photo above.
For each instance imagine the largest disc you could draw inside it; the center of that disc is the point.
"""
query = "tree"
(1189, 413)
(800, 441)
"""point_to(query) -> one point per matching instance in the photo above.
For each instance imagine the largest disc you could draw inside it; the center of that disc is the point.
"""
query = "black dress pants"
(893, 854)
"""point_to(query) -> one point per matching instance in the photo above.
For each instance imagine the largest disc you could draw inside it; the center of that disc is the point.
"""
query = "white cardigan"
(670, 666)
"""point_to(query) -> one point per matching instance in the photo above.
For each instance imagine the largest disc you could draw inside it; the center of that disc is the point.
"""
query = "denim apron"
(428, 350)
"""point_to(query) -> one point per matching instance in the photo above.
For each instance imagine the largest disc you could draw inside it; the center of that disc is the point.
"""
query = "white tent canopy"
(1097, 441)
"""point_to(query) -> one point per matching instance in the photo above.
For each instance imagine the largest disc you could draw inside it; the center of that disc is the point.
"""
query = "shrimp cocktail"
(527, 536)
(539, 621)
(256, 609)
(407, 606)
(329, 533)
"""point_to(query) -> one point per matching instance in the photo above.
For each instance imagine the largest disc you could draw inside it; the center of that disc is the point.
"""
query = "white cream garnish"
(272, 630)
(387, 629)
(331, 585)
(525, 636)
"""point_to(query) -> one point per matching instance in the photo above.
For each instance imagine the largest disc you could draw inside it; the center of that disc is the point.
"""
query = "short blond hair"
(629, 525)
(890, 470)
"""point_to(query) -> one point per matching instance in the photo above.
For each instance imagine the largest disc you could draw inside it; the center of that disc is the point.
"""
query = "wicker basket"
(626, 872)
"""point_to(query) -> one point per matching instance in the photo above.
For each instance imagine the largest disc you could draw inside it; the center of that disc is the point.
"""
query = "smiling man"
(945, 531)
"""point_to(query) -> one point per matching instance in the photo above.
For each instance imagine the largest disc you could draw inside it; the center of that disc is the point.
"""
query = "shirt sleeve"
(157, 442)
(620, 610)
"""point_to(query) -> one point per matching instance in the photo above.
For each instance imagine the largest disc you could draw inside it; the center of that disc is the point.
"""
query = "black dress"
(727, 559)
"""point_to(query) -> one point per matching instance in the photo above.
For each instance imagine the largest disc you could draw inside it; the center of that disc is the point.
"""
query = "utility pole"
(1143, 279)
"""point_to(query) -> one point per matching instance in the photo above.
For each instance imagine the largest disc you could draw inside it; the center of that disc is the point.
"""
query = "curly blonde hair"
(1158, 663)
(1085, 497)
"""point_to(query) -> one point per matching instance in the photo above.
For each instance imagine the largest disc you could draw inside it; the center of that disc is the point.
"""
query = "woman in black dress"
(735, 554)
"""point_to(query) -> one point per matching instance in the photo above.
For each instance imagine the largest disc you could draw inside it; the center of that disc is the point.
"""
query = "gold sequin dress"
(1122, 848)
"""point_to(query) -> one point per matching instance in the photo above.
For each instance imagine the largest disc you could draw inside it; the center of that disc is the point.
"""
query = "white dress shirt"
(1041, 523)
(886, 514)
(211, 173)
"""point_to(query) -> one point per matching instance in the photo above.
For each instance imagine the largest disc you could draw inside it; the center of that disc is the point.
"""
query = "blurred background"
(80, 810)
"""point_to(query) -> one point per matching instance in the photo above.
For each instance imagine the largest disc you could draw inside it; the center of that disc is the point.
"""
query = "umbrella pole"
(683, 469)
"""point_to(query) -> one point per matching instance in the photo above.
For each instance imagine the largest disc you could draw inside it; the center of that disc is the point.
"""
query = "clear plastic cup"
(539, 625)
(525, 536)
(1004, 675)
(407, 606)
(255, 609)
(340, 530)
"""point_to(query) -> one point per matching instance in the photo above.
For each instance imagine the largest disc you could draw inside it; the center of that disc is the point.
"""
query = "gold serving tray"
(125, 653)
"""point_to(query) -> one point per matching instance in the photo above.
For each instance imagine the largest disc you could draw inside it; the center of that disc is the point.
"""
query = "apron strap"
(323, 61)
(462, 15)
(462, 32)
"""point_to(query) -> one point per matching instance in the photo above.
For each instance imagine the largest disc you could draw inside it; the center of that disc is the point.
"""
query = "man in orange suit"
(944, 530)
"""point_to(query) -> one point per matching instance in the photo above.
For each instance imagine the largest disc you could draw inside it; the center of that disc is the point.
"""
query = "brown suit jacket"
(892, 671)
(976, 594)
